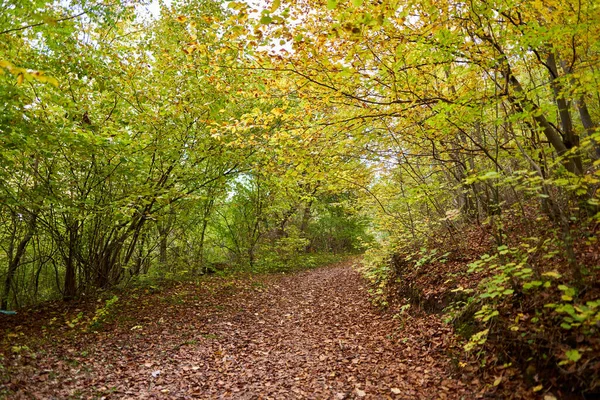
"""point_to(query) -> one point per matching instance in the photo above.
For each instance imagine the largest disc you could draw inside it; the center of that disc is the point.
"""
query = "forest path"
(307, 335)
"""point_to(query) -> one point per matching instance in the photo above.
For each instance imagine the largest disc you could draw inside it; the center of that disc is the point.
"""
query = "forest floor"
(307, 335)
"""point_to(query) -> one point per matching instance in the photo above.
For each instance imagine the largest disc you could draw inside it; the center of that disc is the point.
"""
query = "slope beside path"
(308, 335)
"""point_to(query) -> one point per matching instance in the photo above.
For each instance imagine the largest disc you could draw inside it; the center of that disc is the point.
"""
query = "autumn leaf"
(276, 4)
(266, 19)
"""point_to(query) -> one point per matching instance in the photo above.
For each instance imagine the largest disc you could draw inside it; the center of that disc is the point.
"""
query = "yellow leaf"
(52, 81)
(20, 79)
(181, 18)
(7, 65)
(497, 381)
(275, 6)
(538, 388)
(552, 274)
(236, 5)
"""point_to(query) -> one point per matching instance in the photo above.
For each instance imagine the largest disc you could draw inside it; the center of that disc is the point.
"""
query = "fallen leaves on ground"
(312, 334)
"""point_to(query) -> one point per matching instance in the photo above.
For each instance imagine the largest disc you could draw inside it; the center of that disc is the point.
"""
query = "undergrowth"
(516, 304)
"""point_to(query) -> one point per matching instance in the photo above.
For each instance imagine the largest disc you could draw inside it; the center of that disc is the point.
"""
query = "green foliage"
(75, 321)
(425, 256)
(573, 355)
(103, 315)
(509, 271)
(509, 268)
(477, 340)
(127, 158)
(376, 269)
(580, 316)
(402, 316)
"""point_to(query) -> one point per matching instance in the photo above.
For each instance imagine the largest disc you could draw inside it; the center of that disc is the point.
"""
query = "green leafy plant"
(103, 315)
(75, 321)
(477, 340)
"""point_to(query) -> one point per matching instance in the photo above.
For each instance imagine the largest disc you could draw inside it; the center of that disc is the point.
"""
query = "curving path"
(309, 335)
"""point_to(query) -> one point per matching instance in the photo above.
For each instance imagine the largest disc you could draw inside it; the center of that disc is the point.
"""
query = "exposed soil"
(309, 335)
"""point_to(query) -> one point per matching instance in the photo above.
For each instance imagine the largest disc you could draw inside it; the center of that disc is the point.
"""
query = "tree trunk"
(15, 261)
(570, 139)
(521, 102)
(587, 122)
(162, 256)
(70, 281)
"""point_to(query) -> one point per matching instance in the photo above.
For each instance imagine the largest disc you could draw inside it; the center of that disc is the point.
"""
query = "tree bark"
(70, 281)
(570, 139)
(16, 260)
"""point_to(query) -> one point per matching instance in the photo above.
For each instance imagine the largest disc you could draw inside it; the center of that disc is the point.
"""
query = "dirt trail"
(309, 335)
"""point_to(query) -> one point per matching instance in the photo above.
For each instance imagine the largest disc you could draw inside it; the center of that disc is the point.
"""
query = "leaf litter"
(312, 334)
